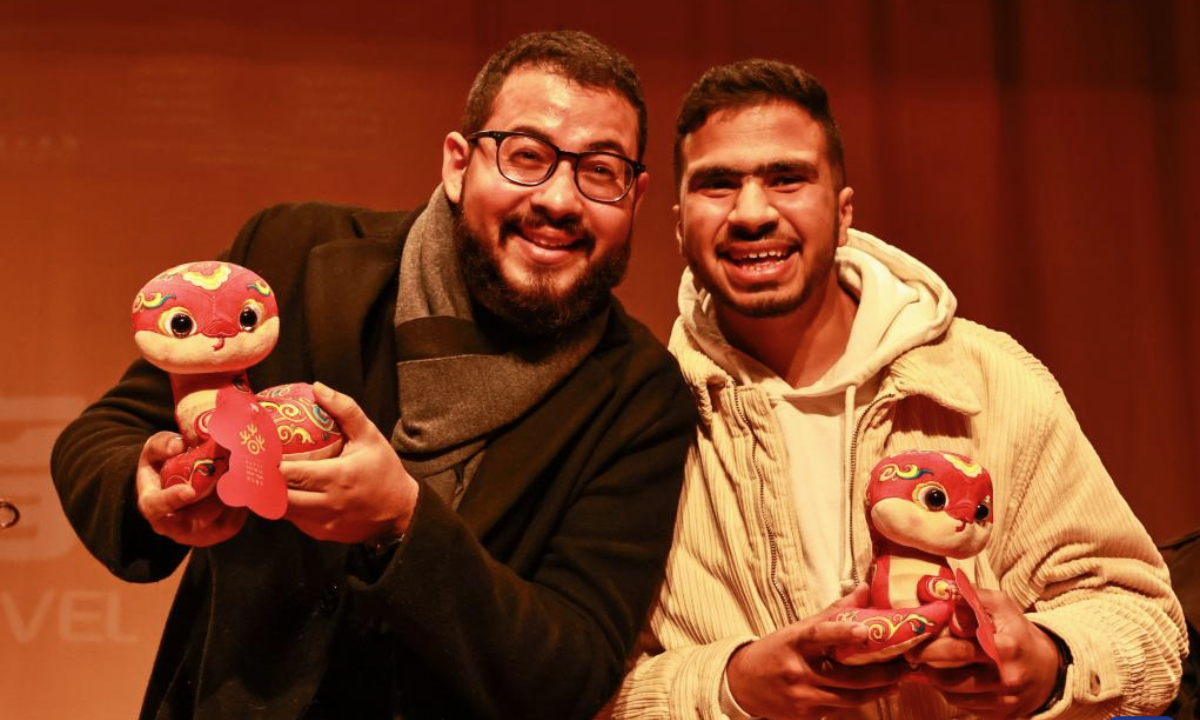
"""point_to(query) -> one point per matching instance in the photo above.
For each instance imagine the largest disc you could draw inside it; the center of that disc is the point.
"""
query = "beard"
(538, 307)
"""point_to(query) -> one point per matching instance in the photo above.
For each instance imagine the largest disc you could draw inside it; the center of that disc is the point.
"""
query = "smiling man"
(549, 264)
(814, 351)
(492, 534)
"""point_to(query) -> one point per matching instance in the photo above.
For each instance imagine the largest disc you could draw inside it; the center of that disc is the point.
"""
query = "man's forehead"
(772, 134)
(537, 99)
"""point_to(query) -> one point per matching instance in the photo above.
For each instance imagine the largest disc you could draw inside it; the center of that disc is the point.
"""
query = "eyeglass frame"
(499, 136)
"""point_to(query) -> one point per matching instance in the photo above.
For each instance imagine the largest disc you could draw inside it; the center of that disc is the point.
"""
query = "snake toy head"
(205, 317)
(938, 502)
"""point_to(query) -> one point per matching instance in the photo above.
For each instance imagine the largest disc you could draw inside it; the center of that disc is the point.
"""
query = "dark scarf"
(459, 384)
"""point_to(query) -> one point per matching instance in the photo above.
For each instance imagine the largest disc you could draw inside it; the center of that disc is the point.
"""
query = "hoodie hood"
(902, 304)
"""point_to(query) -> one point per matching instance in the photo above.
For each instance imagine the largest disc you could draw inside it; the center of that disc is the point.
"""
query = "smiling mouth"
(558, 243)
(746, 258)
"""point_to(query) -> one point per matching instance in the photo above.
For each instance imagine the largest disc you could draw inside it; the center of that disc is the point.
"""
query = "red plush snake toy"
(205, 323)
(923, 507)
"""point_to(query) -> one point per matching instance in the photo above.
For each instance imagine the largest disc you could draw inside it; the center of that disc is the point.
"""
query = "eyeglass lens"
(599, 176)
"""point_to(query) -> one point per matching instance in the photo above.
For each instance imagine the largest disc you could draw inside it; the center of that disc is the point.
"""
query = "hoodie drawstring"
(848, 506)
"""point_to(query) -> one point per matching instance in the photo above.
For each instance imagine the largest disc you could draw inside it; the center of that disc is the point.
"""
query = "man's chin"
(537, 301)
(761, 306)
(536, 304)
(547, 306)
(547, 286)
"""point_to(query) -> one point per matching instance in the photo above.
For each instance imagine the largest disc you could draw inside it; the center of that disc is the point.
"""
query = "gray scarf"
(457, 384)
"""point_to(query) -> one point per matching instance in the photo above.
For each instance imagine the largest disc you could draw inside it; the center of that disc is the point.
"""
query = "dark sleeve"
(94, 464)
(552, 644)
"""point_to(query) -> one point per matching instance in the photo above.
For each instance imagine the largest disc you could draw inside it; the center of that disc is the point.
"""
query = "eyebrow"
(710, 173)
(596, 145)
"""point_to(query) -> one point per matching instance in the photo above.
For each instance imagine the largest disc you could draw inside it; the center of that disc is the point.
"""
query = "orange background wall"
(1041, 155)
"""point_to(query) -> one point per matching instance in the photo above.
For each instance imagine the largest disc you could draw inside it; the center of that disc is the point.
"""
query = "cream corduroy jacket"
(1065, 544)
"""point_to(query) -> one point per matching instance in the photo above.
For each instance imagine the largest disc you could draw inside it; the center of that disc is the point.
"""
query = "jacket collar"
(937, 372)
(931, 370)
(351, 274)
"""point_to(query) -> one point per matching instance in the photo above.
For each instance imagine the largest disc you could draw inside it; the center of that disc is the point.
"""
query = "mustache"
(537, 219)
(769, 231)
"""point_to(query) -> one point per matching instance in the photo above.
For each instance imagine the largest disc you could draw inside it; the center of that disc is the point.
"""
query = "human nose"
(753, 210)
(559, 195)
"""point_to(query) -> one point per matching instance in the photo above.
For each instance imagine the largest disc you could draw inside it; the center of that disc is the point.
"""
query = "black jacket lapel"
(525, 452)
(344, 279)
(344, 286)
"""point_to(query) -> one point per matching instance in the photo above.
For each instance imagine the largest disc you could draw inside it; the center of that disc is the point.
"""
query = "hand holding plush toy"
(923, 507)
(205, 323)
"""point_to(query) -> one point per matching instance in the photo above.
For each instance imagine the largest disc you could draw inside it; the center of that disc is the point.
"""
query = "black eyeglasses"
(523, 159)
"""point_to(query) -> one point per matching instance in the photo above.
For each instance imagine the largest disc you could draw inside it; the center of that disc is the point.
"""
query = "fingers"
(845, 698)
(304, 503)
(1000, 606)
(970, 679)
(353, 421)
(818, 638)
(156, 503)
(160, 446)
(874, 676)
(206, 523)
(817, 635)
(947, 652)
(860, 597)
(305, 474)
(985, 705)
(815, 640)
(176, 512)
(311, 513)
(217, 526)
(197, 524)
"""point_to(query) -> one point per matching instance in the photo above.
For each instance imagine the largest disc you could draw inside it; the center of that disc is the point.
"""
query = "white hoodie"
(901, 304)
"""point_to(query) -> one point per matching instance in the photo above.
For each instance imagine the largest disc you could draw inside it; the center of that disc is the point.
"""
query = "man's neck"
(802, 345)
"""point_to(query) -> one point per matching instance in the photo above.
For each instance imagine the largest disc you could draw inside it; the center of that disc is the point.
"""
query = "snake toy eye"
(249, 317)
(179, 323)
(932, 497)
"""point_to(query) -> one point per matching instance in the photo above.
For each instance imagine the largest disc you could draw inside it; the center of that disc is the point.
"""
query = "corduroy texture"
(1066, 546)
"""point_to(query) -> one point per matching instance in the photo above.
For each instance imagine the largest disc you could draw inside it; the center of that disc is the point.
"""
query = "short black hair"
(575, 55)
(750, 83)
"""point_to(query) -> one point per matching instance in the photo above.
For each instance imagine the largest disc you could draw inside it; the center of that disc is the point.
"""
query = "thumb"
(996, 602)
(343, 409)
(161, 446)
(860, 597)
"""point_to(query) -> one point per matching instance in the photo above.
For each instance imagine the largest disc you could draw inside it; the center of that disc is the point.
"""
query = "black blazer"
(522, 604)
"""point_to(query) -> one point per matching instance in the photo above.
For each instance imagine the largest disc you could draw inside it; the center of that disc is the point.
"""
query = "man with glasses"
(489, 539)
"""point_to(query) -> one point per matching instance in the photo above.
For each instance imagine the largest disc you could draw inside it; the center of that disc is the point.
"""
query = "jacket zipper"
(881, 704)
(788, 607)
(854, 473)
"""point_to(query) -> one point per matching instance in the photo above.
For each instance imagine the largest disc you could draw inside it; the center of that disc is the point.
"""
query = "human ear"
(678, 228)
(639, 189)
(456, 154)
(845, 213)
